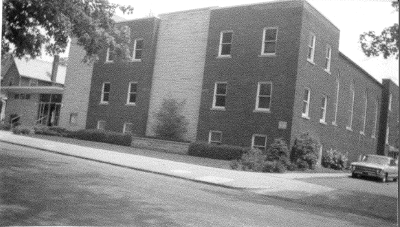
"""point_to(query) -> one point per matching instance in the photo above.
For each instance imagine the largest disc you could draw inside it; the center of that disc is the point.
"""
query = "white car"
(379, 166)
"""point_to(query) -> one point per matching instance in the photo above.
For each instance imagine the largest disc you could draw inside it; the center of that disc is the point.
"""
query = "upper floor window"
(105, 93)
(270, 36)
(215, 137)
(264, 95)
(101, 125)
(306, 103)
(137, 50)
(219, 95)
(390, 102)
(351, 109)
(337, 99)
(364, 116)
(311, 48)
(127, 128)
(324, 103)
(110, 54)
(132, 93)
(328, 55)
(259, 142)
(225, 43)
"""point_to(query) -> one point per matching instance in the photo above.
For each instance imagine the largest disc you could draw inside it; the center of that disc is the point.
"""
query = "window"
(105, 93)
(337, 99)
(375, 119)
(219, 95)
(306, 103)
(390, 102)
(128, 128)
(137, 50)
(387, 134)
(33, 82)
(324, 103)
(110, 54)
(259, 142)
(101, 125)
(132, 92)
(73, 119)
(27, 96)
(264, 94)
(364, 116)
(351, 109)
(311, 48)
(16, 96)
(225, 44)
(328, 58)
(215, 137)
(270, 36)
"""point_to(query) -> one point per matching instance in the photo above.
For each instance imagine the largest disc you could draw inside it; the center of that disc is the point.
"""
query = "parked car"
(378, 166)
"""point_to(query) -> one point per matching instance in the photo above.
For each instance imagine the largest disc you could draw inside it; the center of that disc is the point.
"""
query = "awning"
(34, 89)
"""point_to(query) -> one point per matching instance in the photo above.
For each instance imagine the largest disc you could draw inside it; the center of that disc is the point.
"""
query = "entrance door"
(49, 109)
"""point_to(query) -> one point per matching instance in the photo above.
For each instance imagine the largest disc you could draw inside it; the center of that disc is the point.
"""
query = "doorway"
(49, 109)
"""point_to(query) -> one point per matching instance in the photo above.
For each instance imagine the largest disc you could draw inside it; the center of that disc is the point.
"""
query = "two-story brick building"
(247, 75)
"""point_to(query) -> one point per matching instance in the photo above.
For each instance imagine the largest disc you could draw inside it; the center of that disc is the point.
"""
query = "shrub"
(304, 152)
(224, 152)
(5, 126)
(170, 124)
(102, 136)
(22, 130)
(253, 160)
(278, 151)
(50, 131)
(334, 159)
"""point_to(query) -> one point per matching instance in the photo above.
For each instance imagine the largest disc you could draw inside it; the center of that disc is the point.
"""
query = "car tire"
(384, 179)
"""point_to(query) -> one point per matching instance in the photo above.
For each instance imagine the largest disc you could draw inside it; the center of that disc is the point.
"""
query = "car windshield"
(376, 159)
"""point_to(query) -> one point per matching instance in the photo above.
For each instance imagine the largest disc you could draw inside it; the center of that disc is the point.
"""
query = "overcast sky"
(352, 17)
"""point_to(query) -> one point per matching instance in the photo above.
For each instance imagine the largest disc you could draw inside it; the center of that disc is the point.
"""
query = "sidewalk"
(204, 174)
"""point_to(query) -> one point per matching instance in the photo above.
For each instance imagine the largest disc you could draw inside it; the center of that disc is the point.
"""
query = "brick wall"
(26, 108)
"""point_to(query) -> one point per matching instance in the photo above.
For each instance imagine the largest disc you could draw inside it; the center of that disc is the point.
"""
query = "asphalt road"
(41, 188)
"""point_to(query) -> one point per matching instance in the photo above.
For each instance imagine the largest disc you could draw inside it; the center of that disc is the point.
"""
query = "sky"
(352, 17)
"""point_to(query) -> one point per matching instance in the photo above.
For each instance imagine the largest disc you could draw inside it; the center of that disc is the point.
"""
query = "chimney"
(55, 68)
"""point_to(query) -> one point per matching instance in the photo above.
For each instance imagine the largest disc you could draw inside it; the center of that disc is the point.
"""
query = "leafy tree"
(387, 43)
(29, 25)
(170, 123)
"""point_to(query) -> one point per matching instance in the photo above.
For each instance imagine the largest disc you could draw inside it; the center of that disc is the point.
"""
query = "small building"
(32, 91)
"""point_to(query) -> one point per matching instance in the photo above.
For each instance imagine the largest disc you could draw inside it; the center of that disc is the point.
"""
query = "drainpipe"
(55, 68)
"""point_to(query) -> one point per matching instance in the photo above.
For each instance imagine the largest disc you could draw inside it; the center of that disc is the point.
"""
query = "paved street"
(41, 188)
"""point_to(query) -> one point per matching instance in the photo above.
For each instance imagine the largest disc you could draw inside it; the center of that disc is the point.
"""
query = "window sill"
(349, 128)
(130, 104)
(323, 122)
(310, 61)
(218, 108)
(103, 103)
(362, 133)
(261, 111)
(334, 124)
(267, 55)
(224, 56)
(305, 117)
(329, 72)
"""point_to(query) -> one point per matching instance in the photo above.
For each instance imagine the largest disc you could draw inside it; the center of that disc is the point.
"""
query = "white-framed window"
(390, 102)
(225, 44)
(215, 137)
(373, 133)
(364, 116)
(132, 93)
(311, 48)
(137, 50)
(110, 55)
(351, 109)
(328, 56)
(264, 96)
(337, 99)
(270, 38)
(259, 141)
(128, 128)
(33, 82)
(105, 93)
(306, 103)
(220, 90)
(324, 103)
(101, 125)
(387, 134)
(73, 118)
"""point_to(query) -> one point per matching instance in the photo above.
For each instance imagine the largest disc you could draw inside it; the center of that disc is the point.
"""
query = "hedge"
(102, 136)
(224, 152)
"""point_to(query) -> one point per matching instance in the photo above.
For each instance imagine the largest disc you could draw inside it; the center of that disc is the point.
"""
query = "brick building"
(247, 75)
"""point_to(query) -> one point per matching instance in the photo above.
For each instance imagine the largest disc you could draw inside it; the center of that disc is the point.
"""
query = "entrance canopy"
(34, 89)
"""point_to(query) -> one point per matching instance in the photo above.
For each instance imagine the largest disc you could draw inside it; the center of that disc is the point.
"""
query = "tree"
(387, 43)
(30, 25)
(171, 124)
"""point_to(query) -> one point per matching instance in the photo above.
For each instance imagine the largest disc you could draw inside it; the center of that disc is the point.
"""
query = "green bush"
(22, 130)
(223, 152)
(171, 124)
(334, 159)
(5, 126)
(102, 136)
(50, 131)
(279, 151)
(304, 152)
